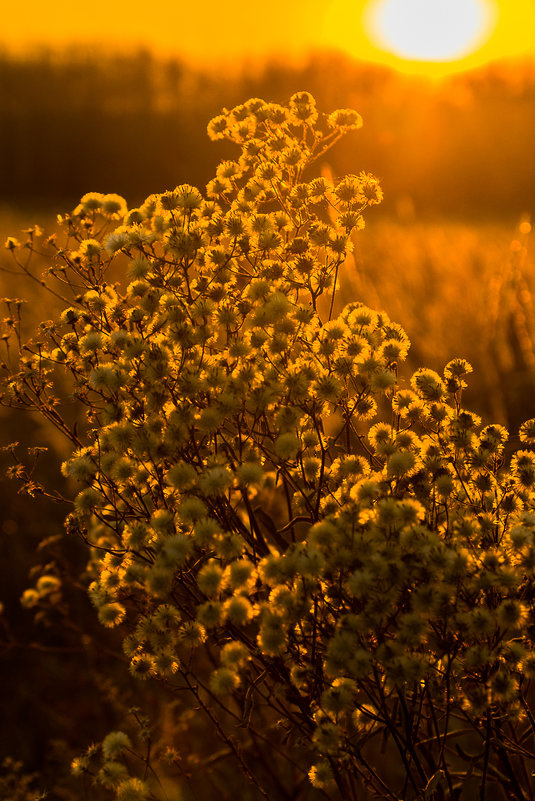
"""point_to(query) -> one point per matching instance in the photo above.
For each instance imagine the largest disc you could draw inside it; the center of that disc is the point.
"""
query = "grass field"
(458, 289)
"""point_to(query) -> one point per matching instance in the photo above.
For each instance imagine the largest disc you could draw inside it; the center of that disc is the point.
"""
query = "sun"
(430, 30)
(431, 38)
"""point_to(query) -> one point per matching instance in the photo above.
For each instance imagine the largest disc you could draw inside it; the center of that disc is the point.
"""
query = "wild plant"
(333, 565)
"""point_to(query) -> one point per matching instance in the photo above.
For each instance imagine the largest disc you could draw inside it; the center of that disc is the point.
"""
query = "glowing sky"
(215, 30)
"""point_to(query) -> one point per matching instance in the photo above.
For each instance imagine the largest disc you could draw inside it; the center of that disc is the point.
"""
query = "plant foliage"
(335, 567)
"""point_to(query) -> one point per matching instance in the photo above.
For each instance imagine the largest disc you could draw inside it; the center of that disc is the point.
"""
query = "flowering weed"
(313, 552)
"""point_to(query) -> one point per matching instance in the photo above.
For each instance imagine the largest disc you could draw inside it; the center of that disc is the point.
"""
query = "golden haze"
(215, 31)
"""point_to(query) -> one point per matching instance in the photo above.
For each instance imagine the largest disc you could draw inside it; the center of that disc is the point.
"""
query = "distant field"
(12, 223)
(458, 290)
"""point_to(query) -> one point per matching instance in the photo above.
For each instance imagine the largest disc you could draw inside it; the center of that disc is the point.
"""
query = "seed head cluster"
(257, 482)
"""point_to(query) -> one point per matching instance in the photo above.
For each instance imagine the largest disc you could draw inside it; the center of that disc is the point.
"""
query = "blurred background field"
(135, 124)
(448, 255)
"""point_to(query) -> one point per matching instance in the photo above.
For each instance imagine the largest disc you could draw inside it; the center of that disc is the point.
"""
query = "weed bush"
(333, 565)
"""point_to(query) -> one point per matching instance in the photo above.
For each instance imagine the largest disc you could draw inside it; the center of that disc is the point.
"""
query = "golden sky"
(215, 30)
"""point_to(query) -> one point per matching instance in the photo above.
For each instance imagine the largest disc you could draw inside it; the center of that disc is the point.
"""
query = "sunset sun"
(432, 38)
(430, 30)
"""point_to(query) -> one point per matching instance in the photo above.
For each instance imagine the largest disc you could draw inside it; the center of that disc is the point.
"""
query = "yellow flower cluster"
(256, 481)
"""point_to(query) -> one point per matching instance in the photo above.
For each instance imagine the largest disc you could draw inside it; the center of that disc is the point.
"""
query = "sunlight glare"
(430, 30)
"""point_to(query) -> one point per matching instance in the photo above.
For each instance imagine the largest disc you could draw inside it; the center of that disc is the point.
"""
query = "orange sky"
(215, 30)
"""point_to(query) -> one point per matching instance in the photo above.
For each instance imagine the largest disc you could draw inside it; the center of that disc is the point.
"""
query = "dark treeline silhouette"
(135, 124)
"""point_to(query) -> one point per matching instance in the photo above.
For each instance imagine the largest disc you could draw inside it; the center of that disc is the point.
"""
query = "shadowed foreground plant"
(334, 568)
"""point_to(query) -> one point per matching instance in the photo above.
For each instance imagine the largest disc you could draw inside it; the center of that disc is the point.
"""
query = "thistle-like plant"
(335, 567)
